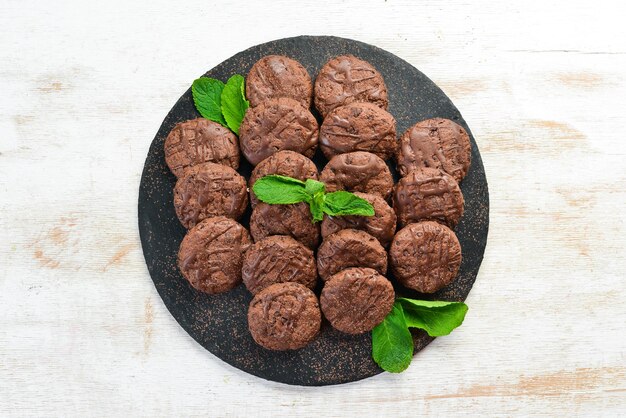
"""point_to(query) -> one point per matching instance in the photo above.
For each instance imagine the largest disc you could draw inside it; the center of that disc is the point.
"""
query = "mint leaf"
(314, 186)
(346, 203)
(316, 205)
(234, 103)
(207, 93)
(280, 190)
(392, 344)
(436, 317)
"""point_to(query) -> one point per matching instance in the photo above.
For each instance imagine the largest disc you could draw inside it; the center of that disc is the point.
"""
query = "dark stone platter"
(218, 322)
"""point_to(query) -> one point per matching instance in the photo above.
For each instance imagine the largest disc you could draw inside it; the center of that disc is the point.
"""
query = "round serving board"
(218, 322)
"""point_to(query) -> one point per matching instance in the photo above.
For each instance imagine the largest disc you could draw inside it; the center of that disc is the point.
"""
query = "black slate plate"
(219, 322)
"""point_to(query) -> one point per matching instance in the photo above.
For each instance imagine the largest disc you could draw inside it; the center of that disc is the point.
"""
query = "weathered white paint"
(84, 87)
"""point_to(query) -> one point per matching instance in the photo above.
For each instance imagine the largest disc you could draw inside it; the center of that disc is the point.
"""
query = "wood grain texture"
(86, 85)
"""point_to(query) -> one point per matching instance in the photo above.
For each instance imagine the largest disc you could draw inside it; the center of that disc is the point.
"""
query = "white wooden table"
(85, 85)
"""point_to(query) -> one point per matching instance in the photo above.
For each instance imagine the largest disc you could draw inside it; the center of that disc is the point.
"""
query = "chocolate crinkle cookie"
(357, 299)
(350, 248)
(278, 76)
(358, 172)
(425, 256)
(200, 141)
(208, 190)
(210, 256)
(284, 163)
(437, 143)
(358, 127)
(428, 194)
(294, 220)
(348, 79)
(275, 125)
(381, 226)
(278, 259)
(284, 316)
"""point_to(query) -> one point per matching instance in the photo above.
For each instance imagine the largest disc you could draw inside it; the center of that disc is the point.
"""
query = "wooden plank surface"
(85, 85)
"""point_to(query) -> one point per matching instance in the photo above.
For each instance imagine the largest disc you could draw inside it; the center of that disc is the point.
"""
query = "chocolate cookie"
(437, 143)
(275, 125)
(285, 163)
(211, 254)
(357, 299)
(350, 248)
(358, 127)
(291, 220)
(208, 190)
(358, 172)
(381, 226)
(200, 141)
(278, 76)
(428, 194)
(347, 79)
(278, 259)
(425, 256)
(284, 316)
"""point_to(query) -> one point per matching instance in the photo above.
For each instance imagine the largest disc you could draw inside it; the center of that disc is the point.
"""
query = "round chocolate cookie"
(278, 259)
(350, 248)
(291, 220)
(200, 141)
(425, 256)
(347, 79)
(285, 163)
(358, 127)
(437, 143)
(207, 190)
(284, 316)
(357, 299)
(381, 226)
(278, 76)
(211, 254)
(358, 172)
(275, 125)
(428, 194)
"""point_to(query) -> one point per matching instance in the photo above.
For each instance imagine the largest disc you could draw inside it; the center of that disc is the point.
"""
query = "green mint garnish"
(281, 190)
(345, 203)
(234, 103)
(437, 318)
(392, 344)
(207, 93)
(225, 104)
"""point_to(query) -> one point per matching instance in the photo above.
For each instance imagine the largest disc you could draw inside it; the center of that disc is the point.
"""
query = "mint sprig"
(282, 190)
(225, 104)
(234, 103)
(207, 96)
(392, 344)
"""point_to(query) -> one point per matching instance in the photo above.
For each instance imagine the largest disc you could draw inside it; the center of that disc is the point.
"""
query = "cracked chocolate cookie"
(276, 125)
(211, 254)
(350, 248)
(278, 76)
(358, 172)
(436, 143)
(200, 141)
(358, 127)
(381, 226)
(425, 256)
(278, 259)
(284, 316)
(428, 194)
(208, 190)
(357, 299)
(348, 79)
